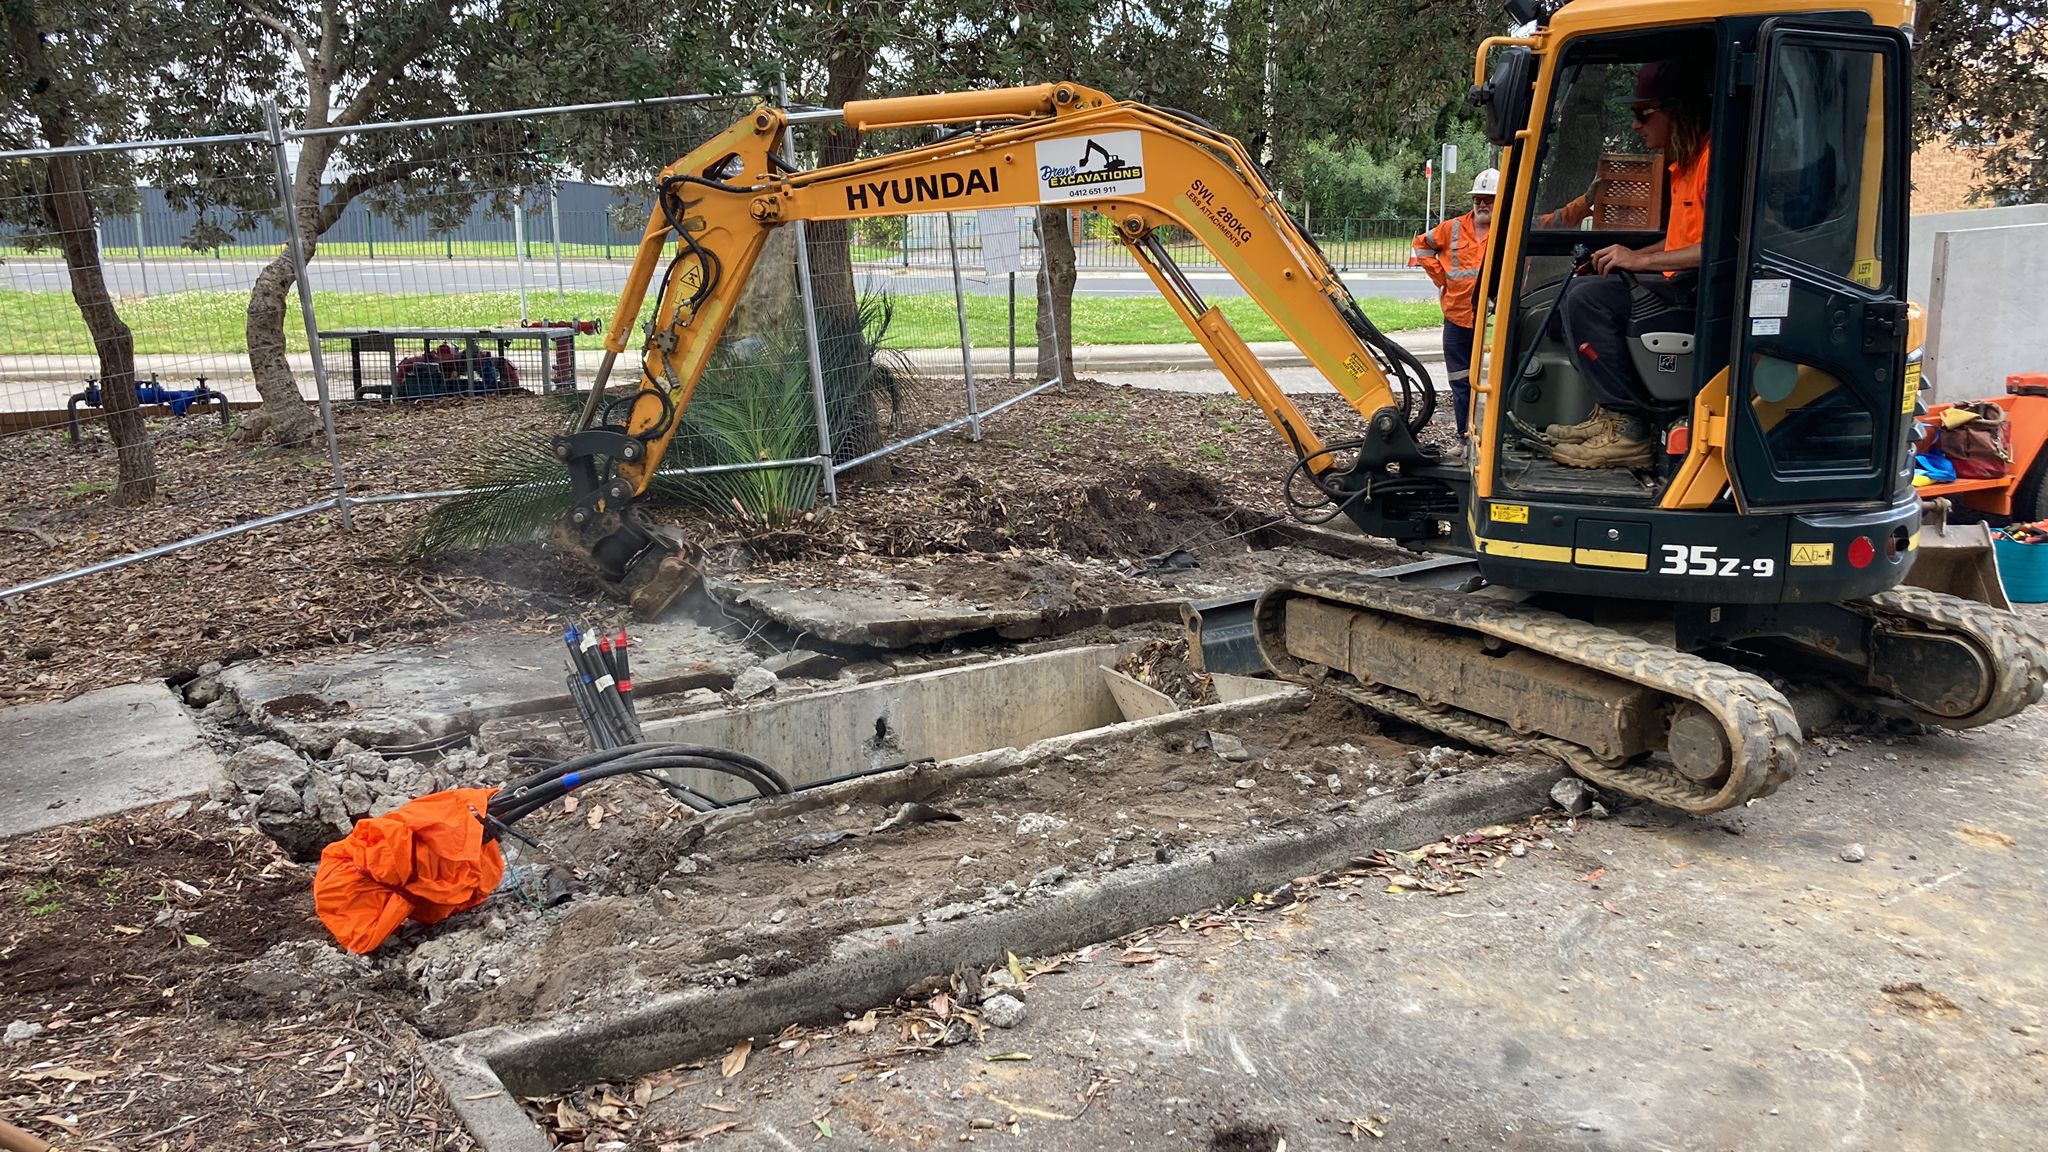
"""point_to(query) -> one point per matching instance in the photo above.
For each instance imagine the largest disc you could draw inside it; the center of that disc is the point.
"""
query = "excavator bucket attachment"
(654, 581)
(1958, 559)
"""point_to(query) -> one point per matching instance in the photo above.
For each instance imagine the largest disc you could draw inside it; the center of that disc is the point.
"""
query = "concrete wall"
(1986, 308)
(1920, 242)
(936, 715)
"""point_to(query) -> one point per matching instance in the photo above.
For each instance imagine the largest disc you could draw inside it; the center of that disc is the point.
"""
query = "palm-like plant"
(752, 405)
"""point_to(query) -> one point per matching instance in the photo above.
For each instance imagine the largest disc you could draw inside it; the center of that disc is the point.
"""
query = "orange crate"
(1630, 192)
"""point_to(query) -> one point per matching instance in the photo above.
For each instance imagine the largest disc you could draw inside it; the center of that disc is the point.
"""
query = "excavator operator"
(1670, 113)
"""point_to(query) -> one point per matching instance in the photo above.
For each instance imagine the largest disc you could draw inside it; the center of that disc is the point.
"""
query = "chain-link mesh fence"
(468, 281)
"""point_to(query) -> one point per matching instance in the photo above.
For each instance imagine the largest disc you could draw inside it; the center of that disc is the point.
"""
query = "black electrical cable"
(512, 804)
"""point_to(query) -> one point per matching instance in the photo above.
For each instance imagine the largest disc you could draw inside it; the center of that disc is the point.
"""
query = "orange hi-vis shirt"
(1687, 224)
(1451, 253)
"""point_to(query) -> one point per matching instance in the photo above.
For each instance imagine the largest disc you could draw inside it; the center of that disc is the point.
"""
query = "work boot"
(1593, 425)
(1619, 446)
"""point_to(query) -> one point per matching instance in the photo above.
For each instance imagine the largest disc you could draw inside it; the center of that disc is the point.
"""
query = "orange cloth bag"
(425, 861)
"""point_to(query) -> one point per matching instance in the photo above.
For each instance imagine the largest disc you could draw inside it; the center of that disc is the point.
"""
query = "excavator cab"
(1774, 376)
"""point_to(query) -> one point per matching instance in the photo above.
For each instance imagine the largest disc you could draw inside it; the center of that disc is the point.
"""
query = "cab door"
(1820, 331)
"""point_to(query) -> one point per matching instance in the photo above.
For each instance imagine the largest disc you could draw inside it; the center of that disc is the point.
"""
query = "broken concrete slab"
(1137, 701)
(98, 754)
(872, 966)
(886, 616)
(408, 694)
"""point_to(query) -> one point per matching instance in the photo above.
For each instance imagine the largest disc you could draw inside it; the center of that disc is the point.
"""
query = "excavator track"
(2015, 657)
(1756, 721)
(1761, 732)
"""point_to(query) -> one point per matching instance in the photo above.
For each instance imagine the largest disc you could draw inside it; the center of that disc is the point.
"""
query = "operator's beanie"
(1659, 80)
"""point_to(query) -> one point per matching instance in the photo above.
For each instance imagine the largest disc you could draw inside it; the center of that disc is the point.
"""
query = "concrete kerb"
(484, 1071)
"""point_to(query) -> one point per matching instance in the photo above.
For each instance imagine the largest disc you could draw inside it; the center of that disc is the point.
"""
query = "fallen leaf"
(1595, 874)
(735, 1060)
(862, 1026)
(725, 1108)
(62, 1072)
(1016, 969)
(1009, 1056)
(1987, 838)
(197, 941)
(125, 930)
(824, 1127)
(942, 1006)
(596, 816)
(713, 1130)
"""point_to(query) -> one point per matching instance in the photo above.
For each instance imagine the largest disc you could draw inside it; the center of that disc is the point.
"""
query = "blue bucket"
(2023, 569)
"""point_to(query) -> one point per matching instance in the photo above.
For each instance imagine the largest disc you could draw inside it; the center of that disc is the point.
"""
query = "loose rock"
(1854, 854)
(755, 681)
(1571, 794)
(1003, 1011)
(1229, 747)
(22, 1031)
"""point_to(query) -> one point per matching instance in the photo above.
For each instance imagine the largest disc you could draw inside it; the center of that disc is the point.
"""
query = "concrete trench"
(913, 737)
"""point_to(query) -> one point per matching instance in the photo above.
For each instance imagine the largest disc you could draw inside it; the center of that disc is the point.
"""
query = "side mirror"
(1507, 95)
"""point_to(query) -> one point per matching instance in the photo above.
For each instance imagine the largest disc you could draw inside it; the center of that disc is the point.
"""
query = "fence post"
(370, 229)
(820, 411)
(140, 261)
(555, 228)
(966, 349)
(274, 124)
(1344, 261)
(519, 248)
(907, 220)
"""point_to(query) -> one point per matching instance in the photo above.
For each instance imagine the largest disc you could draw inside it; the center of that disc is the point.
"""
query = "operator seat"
(1660, 337)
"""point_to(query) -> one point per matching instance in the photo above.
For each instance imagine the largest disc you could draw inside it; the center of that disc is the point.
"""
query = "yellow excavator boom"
(1143, 168)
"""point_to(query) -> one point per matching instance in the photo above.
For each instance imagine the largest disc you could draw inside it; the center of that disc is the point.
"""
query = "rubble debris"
(755, 681)
(1003, 1011)
(1572, 794)
(1854, 854)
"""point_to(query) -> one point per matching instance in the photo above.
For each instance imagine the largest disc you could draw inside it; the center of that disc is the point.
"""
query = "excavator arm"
(1143, 168)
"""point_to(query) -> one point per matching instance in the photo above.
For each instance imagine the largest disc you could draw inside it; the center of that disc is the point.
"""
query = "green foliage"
(883, 232)
(1980, 78)
(753, 404)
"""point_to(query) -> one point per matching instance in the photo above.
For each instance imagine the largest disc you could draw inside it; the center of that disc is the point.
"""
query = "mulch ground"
(169, 962)
(1061, 471)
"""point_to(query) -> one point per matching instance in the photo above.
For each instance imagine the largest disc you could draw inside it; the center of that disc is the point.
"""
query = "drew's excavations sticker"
(1104, 164)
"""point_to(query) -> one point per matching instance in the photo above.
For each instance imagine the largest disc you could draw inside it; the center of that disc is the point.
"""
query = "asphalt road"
(1852, 963)
(126, 277)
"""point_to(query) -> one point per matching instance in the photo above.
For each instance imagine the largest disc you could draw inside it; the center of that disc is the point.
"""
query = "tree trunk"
(285, 418)
(833, 293)
(68, 210)
(1056, 276)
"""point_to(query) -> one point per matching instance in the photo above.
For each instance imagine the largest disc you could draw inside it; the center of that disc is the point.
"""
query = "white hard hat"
(1487, 183)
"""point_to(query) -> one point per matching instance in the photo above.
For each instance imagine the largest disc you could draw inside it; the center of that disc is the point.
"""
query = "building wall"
(1944, 177)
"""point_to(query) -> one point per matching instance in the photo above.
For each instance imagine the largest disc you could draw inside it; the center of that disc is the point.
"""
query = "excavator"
(1668, 632)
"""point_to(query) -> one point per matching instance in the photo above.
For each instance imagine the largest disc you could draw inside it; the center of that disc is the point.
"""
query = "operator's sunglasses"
(1641, 114)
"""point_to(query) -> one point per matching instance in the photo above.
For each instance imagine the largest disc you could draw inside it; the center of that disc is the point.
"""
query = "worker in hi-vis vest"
(1451, 253)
